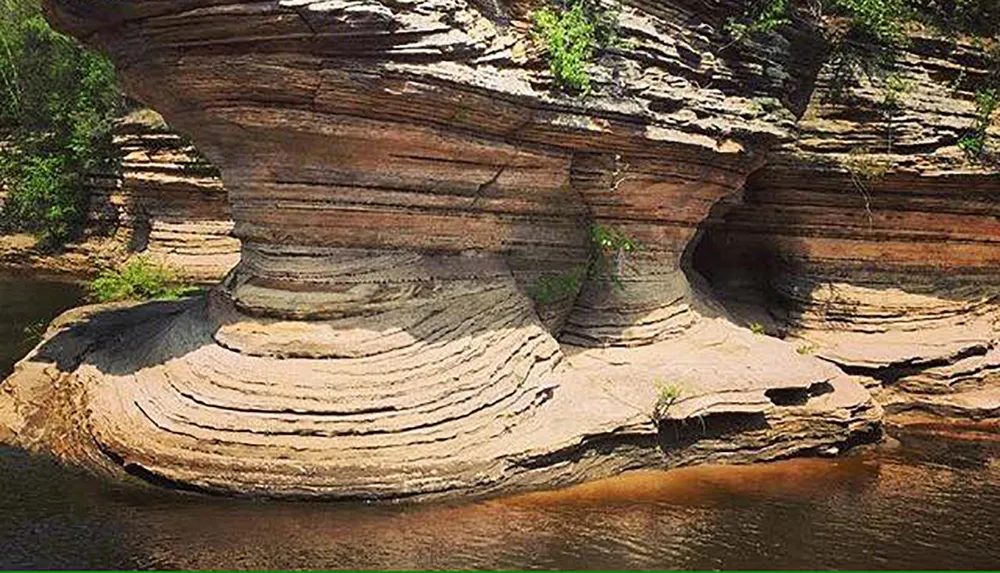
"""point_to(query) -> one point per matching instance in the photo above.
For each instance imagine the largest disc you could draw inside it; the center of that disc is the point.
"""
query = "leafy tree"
(58, 103)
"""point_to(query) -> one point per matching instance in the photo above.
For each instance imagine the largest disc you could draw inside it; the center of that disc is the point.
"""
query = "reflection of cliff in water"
(26, 307)
(904, 508)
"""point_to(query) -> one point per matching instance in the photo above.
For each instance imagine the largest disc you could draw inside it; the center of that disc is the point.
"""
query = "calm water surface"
(930, 503)
(27, 305)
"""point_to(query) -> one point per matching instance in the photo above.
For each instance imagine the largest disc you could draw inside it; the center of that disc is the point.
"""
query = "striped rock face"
(873, 238)
(419, 308)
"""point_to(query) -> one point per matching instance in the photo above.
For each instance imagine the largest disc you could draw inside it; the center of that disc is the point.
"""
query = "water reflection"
(874, 510)
(27, 304)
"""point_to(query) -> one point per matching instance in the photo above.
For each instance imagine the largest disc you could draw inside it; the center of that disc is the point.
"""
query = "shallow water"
(27, 304)
(929, 503)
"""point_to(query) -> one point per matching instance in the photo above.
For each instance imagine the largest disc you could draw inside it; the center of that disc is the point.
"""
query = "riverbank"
(598, 410)
(20, 254)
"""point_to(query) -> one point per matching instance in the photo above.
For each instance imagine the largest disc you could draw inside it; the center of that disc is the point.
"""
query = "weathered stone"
(164, 201)
(400, 179)
(872, 239)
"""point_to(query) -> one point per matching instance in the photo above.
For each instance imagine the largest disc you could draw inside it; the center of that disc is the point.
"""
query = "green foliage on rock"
(878, 22)
(759, 18)
(974, 143)
(58, 103)
(667, 393)
(866, 38)
(139, 279)
(610, 247)
(551, 289)
(572, 34)
(975, 17)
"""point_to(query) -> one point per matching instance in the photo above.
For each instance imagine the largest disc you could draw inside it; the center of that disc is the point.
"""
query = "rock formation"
(871, 240)
(403, 176)
(166, 201)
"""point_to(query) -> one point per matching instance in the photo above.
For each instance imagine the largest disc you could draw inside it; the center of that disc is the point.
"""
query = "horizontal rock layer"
(166, 201)
(436, 407)
(873, 239)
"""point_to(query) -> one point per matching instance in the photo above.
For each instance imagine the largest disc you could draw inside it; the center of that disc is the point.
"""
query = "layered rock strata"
(166, 201)
(872, 239)
(401, 179)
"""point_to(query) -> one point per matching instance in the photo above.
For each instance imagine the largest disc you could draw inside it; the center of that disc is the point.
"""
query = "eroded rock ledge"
(163, 201)
(871, 241)
(401, 179)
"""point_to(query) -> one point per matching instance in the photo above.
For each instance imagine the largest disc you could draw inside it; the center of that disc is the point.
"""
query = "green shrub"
(872, 21)
(610, 248)
(977, 17)
(56, 117)
(866, 37)
(572, 35)
(137, 280)
(666, 395)
(548, 290)
(974, 143)
(760, 18)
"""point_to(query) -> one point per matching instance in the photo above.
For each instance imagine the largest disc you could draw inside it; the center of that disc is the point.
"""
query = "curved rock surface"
(401, 179)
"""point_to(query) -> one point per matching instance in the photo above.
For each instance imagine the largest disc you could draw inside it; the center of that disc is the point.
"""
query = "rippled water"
(929, 503)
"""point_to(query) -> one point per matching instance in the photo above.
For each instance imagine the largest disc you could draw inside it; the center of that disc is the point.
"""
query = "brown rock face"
(873, 239)
(401, 181)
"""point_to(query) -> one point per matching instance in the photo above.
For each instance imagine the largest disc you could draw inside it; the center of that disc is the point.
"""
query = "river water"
(928, 503)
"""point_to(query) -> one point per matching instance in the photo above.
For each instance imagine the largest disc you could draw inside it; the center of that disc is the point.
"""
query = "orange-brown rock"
(401, 179)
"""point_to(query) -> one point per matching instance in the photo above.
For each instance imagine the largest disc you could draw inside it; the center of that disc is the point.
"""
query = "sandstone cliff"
(419, 308)
(871, 240)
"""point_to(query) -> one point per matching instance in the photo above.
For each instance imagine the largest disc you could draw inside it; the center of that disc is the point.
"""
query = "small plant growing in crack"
(620, 174)
(760, 18)
(611, 247)
(806, 349)
(551, 289)
(975, 141)
(865, 169)
(757, 328)
(894, 88)
(666, 395)
(572, 33)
